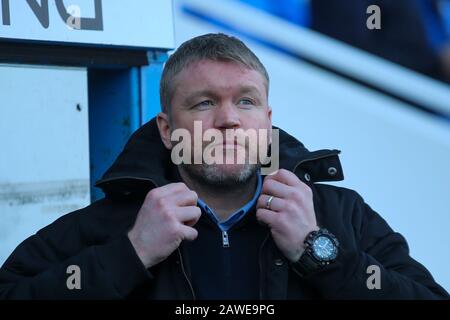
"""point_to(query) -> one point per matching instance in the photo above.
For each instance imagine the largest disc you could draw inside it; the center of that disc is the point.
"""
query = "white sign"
(131, 23)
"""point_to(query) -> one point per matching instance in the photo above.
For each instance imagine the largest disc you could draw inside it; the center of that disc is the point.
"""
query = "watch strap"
(306, 264)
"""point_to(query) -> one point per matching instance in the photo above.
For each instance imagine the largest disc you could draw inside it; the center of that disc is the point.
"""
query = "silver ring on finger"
(269, 202)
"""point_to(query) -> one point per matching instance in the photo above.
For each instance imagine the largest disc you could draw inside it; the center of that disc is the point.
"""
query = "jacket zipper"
(185, 275)
(225, 240)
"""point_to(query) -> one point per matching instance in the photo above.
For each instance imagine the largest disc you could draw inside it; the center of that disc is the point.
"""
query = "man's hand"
(165, 219)
(291, 214)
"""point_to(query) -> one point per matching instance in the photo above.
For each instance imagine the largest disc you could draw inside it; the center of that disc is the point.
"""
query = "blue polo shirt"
(237, 216)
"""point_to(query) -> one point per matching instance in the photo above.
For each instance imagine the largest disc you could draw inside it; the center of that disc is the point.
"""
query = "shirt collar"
(239, 214)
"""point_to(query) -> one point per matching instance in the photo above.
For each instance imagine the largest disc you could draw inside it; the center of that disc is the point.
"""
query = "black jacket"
(94, 239)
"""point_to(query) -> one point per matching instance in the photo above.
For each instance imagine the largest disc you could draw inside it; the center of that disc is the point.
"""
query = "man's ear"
(162, 119)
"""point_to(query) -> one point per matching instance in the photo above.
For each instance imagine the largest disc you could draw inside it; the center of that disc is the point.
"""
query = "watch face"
(324, 248)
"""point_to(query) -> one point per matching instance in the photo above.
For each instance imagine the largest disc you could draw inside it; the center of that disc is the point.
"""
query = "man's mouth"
(231, 145)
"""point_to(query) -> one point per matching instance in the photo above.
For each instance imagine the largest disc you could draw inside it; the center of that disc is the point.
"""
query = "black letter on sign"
(6, 18)
(86, 23)
(40, 11)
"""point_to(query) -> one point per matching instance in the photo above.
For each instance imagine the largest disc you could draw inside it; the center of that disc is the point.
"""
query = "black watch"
(321, 249)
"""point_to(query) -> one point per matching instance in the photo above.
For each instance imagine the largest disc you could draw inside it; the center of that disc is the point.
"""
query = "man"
(217, 230)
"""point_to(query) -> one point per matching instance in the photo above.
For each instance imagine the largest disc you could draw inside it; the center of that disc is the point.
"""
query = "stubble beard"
(217, 177)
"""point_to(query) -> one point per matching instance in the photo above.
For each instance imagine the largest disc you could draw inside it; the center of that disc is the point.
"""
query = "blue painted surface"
(150, 77)
(120, 101)
(114, 114)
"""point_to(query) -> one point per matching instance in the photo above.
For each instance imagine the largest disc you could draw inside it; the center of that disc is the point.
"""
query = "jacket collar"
(145, 163)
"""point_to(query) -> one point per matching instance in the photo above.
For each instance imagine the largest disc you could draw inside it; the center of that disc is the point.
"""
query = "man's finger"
(188, 215)
(276, 204)
(286, 177)
(185, 198)
(170, 189)
(266, 216)
(189, 233)
(276, 188)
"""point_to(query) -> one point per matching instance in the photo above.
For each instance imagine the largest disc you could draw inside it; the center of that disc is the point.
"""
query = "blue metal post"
(120, 101)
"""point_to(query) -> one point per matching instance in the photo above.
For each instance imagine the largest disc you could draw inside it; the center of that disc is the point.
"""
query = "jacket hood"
(145, 163)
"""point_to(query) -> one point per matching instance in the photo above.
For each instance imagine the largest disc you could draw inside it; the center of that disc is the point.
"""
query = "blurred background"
(373, 84)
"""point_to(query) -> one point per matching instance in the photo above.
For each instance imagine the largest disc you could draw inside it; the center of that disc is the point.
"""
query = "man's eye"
(246, 102)
(203, 105)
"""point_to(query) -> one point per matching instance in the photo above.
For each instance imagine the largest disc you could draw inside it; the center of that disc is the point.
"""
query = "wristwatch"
(321, 249)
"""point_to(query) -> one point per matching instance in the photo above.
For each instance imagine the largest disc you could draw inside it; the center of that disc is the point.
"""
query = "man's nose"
(227, 117)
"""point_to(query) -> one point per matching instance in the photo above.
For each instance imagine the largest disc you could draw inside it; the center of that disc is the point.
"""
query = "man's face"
(222, 95)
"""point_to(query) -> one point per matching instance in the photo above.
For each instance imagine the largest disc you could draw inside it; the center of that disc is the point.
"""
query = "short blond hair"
(211, 46)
